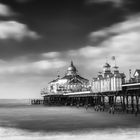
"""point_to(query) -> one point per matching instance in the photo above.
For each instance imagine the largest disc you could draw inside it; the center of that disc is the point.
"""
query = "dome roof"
(72, 67)
(71, 70)
(107, 65)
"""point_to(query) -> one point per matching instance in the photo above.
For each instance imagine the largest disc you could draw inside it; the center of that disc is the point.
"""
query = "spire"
(116, 69)
(100, 75)
(115, 66)
(71, 63)
(106, 69)
(58, 74)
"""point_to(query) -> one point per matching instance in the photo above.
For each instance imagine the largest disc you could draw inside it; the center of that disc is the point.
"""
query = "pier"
(125, 101)
(116, 102)
(109, 91)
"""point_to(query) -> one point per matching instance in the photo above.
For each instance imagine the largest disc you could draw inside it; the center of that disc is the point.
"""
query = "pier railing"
(59, 92)
(132, 81)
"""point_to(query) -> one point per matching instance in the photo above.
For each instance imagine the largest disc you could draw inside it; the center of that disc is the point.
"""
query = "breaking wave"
(119, 134)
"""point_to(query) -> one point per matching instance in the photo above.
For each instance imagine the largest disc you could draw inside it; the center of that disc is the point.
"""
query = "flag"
(113, 57)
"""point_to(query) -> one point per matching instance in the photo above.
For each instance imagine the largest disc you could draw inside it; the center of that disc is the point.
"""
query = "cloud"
(5, 10)
(117, 3)
(132, 24)
(121, 40)
(51, 54)
(23, 1)
(28, 75)
(46, 64)
(99, 36)
(16, 30)
(37, 67)
(13, 29)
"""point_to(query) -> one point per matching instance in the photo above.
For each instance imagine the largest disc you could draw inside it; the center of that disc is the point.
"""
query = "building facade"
(70, 82)
(108, 81)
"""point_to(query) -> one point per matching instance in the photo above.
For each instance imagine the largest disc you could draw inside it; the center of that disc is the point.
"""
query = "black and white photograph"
(69, 69)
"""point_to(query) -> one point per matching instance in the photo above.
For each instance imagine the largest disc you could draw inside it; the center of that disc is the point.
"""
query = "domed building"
(71, 82)
(107, 70)
(108, 81)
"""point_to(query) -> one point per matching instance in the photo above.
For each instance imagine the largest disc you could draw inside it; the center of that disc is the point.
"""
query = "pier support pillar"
(137, 103)
(124, 105)
(103, 100)
(132, 103)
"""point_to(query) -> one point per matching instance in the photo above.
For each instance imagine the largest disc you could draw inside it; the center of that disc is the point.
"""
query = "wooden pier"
(126, 101)
(108, 91)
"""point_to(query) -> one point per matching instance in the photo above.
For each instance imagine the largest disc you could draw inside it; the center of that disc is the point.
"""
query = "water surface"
(20, 120)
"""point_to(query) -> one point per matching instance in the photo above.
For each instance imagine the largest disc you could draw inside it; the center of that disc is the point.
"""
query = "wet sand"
(63, 119)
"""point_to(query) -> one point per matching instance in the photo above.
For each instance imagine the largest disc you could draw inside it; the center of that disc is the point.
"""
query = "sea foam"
(115, 134)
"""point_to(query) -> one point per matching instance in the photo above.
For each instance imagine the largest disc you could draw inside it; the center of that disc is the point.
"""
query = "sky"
(39, 38)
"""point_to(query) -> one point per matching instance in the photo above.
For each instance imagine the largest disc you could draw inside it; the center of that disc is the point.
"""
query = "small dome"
(71, 70)
(107, 65)
(72, 67)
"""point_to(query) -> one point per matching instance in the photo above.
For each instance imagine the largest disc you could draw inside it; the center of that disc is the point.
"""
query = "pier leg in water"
(121, 102)
(86, 103)
(103, 103)
(137, 104)
(78, 101)
(126, 103)
(124, 106)
(132, 104)
(115, 102)
(137, 101)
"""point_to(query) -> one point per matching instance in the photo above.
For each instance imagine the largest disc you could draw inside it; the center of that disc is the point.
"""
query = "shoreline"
(119, 134)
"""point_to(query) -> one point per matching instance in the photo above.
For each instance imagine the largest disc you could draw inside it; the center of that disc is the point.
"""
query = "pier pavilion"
(59, 88)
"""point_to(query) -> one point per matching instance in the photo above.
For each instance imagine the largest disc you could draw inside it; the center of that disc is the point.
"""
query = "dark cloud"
(63, 24)
(129, 6)
(116, 3)
(65, 27)
(23, 1)
(15, 30)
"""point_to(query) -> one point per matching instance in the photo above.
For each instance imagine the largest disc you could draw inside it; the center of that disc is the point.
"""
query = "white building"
(71, 82)
(108, 81)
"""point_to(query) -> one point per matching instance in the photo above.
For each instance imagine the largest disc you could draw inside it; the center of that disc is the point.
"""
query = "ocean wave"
(119, 134)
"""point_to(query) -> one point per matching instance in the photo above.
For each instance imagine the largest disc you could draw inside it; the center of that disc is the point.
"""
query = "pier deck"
(127, 100)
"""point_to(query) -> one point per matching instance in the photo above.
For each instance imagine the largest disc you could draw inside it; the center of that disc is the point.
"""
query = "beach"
(39, 121)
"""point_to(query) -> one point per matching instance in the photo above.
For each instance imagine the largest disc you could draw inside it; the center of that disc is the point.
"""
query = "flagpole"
(115, 61)
(130, 74)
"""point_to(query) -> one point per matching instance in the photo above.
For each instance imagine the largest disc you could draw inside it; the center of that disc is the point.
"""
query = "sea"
(21, 121)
